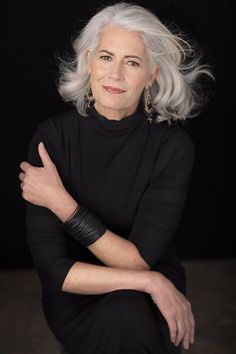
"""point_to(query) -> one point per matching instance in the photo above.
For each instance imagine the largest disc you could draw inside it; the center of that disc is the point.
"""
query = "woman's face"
(119, 72)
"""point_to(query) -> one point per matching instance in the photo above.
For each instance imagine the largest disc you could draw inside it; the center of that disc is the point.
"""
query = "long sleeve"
(45, 237)
(135, 180)
(163, 201)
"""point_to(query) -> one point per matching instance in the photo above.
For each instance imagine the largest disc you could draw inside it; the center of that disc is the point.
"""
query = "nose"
(116, 71)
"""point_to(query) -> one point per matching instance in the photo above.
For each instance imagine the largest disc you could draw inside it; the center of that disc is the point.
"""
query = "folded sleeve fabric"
(163, 201)
(45, 237)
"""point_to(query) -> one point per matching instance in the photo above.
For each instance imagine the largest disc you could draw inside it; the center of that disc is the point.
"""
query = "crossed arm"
(43, 186)
(127, 268)
(112, 249)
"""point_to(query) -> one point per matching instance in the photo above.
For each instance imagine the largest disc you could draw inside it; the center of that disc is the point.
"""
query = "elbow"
(54, 275)
(70, 281)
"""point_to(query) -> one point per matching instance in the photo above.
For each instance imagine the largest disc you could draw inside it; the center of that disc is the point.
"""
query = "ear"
(153, 75)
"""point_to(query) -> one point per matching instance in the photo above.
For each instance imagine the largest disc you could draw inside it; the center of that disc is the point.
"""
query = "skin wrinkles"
(120, 61)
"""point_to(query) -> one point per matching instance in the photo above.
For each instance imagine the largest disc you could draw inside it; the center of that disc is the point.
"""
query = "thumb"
(45, 158)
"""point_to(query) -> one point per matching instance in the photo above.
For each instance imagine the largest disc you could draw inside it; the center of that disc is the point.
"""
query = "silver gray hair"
(175, 91)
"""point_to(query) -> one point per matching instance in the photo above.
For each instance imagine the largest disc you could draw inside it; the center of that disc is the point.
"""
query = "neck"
(115, 114)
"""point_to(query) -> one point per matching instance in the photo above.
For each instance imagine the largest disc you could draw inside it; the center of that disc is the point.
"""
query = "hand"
(175, 308)
(40, 185)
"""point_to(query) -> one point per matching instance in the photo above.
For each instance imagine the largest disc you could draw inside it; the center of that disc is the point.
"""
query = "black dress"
(134, 176)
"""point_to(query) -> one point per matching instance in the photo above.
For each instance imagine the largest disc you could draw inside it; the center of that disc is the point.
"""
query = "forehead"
(119, 39)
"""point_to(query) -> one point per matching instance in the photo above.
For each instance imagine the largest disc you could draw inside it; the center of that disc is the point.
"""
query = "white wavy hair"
(175, 91)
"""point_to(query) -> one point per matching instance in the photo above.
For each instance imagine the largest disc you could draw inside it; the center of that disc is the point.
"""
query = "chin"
(114, 104)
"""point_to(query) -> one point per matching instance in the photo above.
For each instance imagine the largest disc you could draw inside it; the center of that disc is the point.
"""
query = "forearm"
(116, 251)
(84, 278)
(110, 248)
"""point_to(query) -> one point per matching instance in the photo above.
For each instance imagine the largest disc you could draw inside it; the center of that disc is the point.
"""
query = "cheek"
(137, 85)
(97, 70)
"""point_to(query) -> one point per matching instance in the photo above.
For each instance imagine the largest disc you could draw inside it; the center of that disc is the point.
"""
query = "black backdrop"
(36, 30)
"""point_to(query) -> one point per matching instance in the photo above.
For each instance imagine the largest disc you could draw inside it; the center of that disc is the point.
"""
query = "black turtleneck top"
(132, 174)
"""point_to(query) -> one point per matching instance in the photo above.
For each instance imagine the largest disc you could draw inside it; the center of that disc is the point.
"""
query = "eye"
(133, 63)
(105, 57)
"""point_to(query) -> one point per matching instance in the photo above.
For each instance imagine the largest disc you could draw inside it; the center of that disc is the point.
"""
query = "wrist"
(146, 280)
(152, 278)
(84, 226)
(63, 205)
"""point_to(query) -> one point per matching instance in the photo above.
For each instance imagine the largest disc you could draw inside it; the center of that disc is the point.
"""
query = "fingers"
(45, 158)
(192, 323)
(177, 311)
(172, 329)
(190, 327)
(25, 166)
(21, 176)
(186, 333)
(181, 329)
(186, 326)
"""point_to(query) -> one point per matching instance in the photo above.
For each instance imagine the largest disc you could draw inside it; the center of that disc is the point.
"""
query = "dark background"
(36, 30)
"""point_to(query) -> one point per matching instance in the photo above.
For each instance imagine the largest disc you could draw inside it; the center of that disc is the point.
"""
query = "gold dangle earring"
(88, 97)
(148, 105)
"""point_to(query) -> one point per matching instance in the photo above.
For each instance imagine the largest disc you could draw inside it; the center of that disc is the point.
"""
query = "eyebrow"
(126, 56)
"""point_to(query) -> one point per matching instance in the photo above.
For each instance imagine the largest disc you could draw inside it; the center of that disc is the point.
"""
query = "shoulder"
(175, 151)
(174, 139)
(56, 132)
(60, 125)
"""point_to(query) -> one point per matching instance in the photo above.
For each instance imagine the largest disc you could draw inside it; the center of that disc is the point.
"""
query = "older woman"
(105, 187)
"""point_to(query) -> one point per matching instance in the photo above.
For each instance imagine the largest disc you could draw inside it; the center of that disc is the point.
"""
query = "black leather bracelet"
(84, 226)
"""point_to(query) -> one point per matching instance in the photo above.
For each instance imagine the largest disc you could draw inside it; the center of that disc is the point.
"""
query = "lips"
(114, 90)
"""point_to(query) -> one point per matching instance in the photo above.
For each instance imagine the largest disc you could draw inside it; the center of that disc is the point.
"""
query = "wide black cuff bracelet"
(84, 226)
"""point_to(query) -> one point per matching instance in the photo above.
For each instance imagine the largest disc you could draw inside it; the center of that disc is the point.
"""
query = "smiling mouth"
(114, 90)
